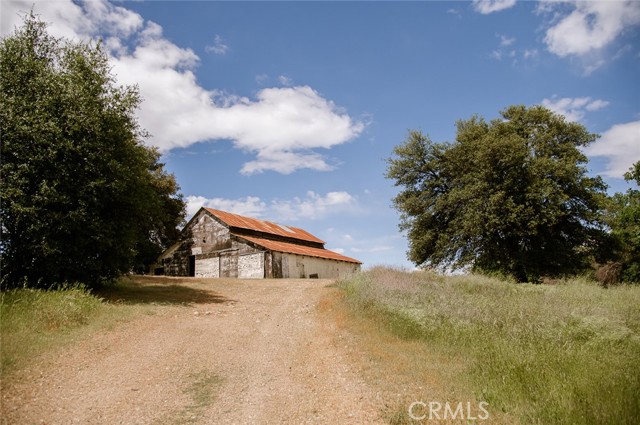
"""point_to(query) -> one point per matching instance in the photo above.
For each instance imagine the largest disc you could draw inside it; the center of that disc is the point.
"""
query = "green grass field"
(567, 353)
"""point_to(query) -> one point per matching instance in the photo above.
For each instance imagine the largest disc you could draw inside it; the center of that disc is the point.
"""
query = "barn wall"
(300, 266)
(251, 266)
(208, 267)
(208, 235)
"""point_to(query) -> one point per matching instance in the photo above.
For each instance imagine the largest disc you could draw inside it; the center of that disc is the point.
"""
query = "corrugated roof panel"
(235, 220)
(299, 249)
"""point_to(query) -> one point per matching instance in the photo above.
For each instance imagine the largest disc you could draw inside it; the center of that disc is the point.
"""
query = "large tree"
(509, 196)
(624, 219)
(83, 199)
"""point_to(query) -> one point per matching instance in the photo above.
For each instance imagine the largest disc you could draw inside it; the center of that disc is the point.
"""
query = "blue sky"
(286, 111)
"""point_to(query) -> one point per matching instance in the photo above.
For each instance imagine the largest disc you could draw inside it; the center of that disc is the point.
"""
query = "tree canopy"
(83, 199)
(624, 220)
(510, 196)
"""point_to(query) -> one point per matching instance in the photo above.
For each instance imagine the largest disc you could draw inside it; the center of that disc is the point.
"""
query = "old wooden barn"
(220, 244)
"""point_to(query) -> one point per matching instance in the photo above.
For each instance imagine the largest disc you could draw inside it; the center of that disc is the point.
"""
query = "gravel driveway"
(247, 352)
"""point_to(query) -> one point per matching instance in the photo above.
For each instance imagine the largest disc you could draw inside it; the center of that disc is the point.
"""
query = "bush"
(609, 274)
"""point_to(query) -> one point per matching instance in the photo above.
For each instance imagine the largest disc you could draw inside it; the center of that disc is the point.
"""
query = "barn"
(216, 243)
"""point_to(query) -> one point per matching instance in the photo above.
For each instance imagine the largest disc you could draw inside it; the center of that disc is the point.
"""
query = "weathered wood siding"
(209, 235)
(216, 252)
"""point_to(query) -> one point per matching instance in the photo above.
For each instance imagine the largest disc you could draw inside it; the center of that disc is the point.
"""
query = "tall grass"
(32, 320)
(567, 353)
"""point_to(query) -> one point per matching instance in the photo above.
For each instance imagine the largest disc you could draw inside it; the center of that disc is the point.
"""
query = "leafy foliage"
(509, 197)
(82, 198)
(624, 220)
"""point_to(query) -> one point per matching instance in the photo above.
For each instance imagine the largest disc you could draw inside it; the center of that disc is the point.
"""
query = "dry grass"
(402, 370)
(560, 354)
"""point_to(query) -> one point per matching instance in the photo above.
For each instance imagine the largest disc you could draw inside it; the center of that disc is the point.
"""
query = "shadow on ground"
(159, 291)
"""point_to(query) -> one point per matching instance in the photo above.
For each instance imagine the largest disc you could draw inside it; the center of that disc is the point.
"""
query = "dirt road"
(243, 352)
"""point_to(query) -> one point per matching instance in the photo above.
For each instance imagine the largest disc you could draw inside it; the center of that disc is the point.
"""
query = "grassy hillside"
(567, 353)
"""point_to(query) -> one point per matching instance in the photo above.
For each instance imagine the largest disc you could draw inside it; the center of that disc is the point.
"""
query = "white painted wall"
(208, 267)
(251, 266)
(300, 266)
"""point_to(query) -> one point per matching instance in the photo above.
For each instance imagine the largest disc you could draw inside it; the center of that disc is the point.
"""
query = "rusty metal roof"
(234, 220)
(293, 248)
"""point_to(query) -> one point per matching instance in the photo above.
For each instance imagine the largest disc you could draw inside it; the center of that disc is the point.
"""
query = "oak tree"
(623, 217)
(510, 196)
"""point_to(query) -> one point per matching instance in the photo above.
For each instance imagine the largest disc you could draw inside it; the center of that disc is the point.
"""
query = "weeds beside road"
(544, 354)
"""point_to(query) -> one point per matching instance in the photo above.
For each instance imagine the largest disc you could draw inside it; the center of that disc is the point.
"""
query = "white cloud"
(281, 126)
(590, 26)
(218, 47)
(285, 162)
(72, 20)
(250, 206)
(620, 145)
(596, 104)
(573, 109)
(489, 6)
(312, 206)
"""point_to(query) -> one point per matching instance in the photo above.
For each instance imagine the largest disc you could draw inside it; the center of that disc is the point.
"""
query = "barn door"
(192, 265)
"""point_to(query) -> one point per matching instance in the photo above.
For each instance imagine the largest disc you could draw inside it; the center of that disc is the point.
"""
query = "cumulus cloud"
(73, 21)
(489, 6)
(591, 25)
(573, 109)
(281, 126)
(312, 206)
(285, 162)
(620, 145)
